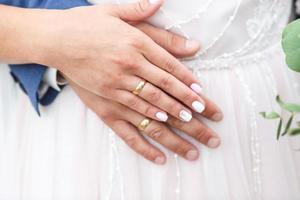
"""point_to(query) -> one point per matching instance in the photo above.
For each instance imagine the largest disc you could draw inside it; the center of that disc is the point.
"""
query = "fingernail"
(192, 155)
(196, 88)
(213, 142)
(192, 45)
(162, 116)
(154, 1)
(159, 160)
(217, 117)
(198, 106)
(185, 116)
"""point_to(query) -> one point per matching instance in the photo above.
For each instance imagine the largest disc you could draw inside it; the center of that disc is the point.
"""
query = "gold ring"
(144, 124)
(139, 88)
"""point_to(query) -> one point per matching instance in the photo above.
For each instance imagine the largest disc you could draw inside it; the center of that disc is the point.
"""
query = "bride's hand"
(94, 47)
(124, 121)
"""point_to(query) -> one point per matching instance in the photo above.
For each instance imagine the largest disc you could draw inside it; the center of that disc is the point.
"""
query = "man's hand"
(124, 121)
(105, 50)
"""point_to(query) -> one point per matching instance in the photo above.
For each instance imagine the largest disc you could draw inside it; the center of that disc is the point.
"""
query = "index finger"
(164, 60)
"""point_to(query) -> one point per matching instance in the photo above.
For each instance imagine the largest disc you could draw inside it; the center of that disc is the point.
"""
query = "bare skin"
(105, 70)
(124, 121)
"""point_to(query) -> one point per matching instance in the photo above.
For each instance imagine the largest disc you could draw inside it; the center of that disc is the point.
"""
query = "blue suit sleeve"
(30, 76)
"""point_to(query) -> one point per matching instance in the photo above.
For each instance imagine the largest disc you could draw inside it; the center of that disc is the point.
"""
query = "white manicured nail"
(196, 88)
(161, 116)
(153, 2)
(198, 106)
(185, 116)
(192, 45)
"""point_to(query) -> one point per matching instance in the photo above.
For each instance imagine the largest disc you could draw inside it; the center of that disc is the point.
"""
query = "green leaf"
(288, 125)
(288, 106)
(291, 45)
(270, 115)
(294, 132)
(279, 129)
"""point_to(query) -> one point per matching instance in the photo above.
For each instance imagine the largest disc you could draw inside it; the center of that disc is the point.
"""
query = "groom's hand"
(124, 122)
(99, 48)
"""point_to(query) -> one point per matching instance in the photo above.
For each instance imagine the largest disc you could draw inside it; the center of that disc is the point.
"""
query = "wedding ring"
(144, 124)
(139, 88)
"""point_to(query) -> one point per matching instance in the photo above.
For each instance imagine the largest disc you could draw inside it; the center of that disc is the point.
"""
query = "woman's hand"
(97, 48)
(124, 121)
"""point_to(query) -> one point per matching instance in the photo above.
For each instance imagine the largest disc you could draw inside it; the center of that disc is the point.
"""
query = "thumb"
(137, 11)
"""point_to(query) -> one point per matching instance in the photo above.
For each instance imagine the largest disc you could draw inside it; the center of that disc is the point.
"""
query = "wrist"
(23, 34)
(42, 42)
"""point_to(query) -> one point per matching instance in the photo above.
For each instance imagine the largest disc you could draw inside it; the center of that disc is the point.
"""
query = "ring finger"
(160, 133)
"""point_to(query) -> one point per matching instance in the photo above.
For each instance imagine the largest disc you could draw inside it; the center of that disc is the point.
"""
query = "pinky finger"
(138, 143)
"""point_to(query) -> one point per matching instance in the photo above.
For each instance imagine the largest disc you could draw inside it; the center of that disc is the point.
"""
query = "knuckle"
(136, 41)
(126, 60)
(131, 140)
(178, 124)
(187, 78)
(149, 110)
(155, 95)
(189, 97)
(105, 115)
(174, 107)
(132, 102)
(182, 148)
(140, 8)
(156, 132)
(102, 88)
(170, 66)
(148, 154)
(174, 40)
(121, 59)
(201, 134)
(165, 82)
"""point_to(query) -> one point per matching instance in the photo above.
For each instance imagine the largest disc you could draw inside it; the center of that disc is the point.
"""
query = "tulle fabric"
(70, 154)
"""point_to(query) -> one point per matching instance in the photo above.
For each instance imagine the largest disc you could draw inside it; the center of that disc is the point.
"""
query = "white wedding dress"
(70, 154)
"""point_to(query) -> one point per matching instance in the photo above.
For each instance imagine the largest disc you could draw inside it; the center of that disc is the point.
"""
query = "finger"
(160, 133)
(141, 106)
(212, 111)
(158, 98)
(172, 86)
(164, 60)
(197, 130)
(135, 141)
(173, 43)
(137, 11)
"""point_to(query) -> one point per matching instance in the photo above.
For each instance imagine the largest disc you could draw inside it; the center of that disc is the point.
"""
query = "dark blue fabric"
(30, 76)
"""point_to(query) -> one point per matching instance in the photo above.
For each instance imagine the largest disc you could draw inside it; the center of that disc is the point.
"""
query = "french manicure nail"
(213, 142)
(192, 45)
(198, 106)
(159, 160)
(217, 117)
(161, 116)
(192, 155)
(196, 88)
(153, 2)
(185, 116)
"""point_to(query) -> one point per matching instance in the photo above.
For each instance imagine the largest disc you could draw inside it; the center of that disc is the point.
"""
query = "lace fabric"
(235, 34)
(71, 154)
